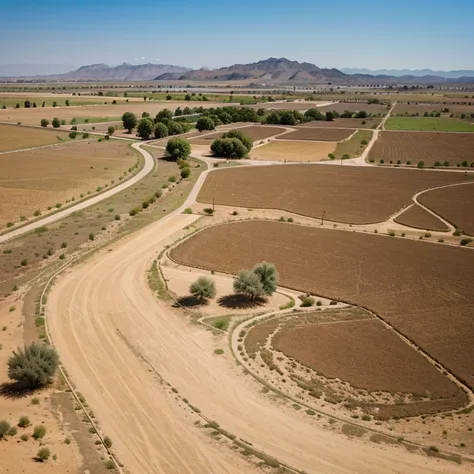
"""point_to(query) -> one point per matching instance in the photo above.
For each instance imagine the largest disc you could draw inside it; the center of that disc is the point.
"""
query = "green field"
(11, 102)
(428, 124)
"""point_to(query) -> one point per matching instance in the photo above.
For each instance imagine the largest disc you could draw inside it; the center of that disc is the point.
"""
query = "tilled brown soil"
(353, 195)
(424, 290)
(355, 106)
(254, 132)
(14, 137)
(424, 146)
(416, 217)
(455, 204)
(342, 123)
(318, 134)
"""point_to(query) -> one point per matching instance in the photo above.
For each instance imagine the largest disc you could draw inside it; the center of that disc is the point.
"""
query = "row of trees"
(260, 281)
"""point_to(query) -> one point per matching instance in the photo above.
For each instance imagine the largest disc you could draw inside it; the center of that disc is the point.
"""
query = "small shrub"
(4, 428)
(24, 262)
(235, 213)
(332, 303)
(39, 432)
(91, 236)
(435, 449)
(220, 324)
(24, 437)
(134, 211)
(67, 441)
(306, 301)
(310, 412)
(219, 351)
(441, 241)
(427, 234)
(465, 241)
(209, 211)
(117, 217)
(62, 257)
(457, 232)
(12, 431)
(188, 210)
(24, 422)
(35, 401)
(63, 245)
(366, 417)
(172, 179)
(108, 442)
(109, 464)
(290, 219)
(43, 454)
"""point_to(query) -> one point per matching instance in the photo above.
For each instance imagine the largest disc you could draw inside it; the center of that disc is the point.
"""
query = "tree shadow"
(240, 301)
(15, 390)
(190, 301)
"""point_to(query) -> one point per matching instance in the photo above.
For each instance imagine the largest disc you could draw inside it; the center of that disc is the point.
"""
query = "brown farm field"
(418, 218)
(254, 132)
(420, 109)
(301, 106)
(109, 112)
(35, 179)
(318, 134)
(353, 195)
(340, 107)
(293, 151)
(423, 290)
(424, 146)
(14, 137)
(342, 123)
(455, 204)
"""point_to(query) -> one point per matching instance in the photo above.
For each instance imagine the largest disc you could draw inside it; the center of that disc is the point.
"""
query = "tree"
(288, 118)
(164, 114)
(73, 135)
(268, 276)
(67, 103)
(27, 104)
(329, 116)
(178, 112)
(145, 128)
(34, 366)
(55, 104)
(178, 148)
(228, 148)
(44, 122)
(44, 104)
(56, 123)
(205, 123)
(161, 130)
(111, 130)
(247, 282)
(203, 288)
(34, 105)
(174, 128)
(129, 121)
(186, 111)
(244, 139)
(314, 114)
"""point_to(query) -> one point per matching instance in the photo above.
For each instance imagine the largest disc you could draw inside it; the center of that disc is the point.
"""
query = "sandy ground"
(294, 151)
(15, 455)
(102, 313)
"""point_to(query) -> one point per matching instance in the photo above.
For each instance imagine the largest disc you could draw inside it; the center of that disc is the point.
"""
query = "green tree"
(205, 123)
(111, 130)
(186, 111)
(330, 116)
(178, 148)
(161, 130)
(288, 118)
(44, 122)
(164, 115)
(247, 282)
(129, 121)
(175, 128)
(203, 288)
(228, 148)
(67, 103)
(145, 114)
(244, 139)
(27, 104)
(268, 276)
(34, 366)
(56, 123)
(314, 114)
(178, 112)
(145, 128)
(55, 104)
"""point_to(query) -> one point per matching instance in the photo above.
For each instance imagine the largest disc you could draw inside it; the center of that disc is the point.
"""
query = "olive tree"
(178, 148)
(248, 283)
(161, 130)
(56, 123)
(203, 288)
(268, 276)
(205, 123)
(145, 128)
(129, 121)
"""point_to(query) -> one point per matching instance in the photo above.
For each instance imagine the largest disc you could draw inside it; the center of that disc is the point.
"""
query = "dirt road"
(102, 313)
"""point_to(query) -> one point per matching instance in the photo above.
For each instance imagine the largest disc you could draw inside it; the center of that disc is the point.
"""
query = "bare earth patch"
(254, 132)
(282, 150)
(14, 137)
(416, 217)
(318, 134)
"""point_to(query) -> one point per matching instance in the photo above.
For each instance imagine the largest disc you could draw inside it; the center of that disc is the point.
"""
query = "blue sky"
(366, 33)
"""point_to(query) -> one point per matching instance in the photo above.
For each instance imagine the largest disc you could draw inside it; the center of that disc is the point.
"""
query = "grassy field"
(428, 124)
(354, 146)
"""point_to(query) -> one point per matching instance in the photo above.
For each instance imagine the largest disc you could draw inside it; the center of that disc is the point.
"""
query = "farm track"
(147, 168)
(102, 315)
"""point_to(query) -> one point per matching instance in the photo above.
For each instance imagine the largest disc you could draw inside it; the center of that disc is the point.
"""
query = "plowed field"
(415, 216)
(318, 134)
(424, 290)
(254, 132)
(355, 107)
(32, 180)
(347, 194)
(13, 137)
(342, 123)
(455, 204)
(424, 146)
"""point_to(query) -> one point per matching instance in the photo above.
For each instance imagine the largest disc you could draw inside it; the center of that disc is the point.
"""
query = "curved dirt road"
(148, 166)
(101, 313)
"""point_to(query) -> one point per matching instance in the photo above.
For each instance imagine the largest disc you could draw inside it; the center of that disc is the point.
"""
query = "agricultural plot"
(254, 132)
(13, 137)
(292, 151)
(36, 179)
(319, 134)
(418, 218)
(347, 194)
(446, 148)
(370, 123)
(428, 124)
(341, 107)
(301, 106)
(421, 109)
(353, 147)
(455, 204)
(426, 294)
(93, 113)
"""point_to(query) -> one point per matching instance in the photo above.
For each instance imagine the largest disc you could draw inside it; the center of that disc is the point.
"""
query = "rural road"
(101, 314)
(149, 163)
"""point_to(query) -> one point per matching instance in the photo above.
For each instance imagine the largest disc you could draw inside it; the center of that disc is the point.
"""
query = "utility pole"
(213, 204)
(322, 217)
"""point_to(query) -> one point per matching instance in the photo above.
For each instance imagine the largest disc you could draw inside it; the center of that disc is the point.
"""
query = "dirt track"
(95, 303)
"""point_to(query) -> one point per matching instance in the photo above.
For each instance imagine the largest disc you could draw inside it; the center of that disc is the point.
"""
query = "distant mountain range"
(271, 71)
(410, 72)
